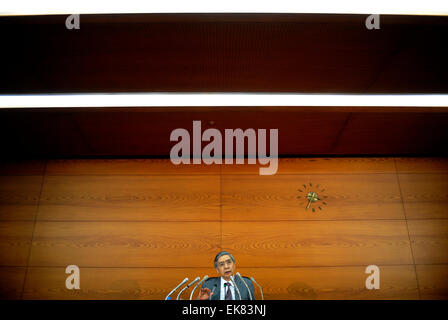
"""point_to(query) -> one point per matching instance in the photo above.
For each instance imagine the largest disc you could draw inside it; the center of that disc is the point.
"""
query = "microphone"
(236, 288)
(188, 286)
(172, 291)
(248, 290)
(197, 285)
(214, 287)
(261, 290)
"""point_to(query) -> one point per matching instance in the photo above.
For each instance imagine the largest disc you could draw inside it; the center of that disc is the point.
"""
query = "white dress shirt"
(224, 289)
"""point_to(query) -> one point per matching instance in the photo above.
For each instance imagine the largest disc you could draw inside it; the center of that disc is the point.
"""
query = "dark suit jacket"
(210, 282)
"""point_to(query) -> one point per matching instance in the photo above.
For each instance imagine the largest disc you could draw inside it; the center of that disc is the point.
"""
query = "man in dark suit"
(222, 288)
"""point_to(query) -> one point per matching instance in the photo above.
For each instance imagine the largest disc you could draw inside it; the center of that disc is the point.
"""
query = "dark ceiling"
(224, 52)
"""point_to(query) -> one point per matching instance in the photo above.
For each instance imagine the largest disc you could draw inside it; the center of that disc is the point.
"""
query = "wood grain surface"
(120, 244)
(137, 227)
(11, 282)
(284, 197)
(318, 243)
(125, 167)
(19, 197)
(421, 165)
(425, 195)
(15, 241)
(397, 282)
(111, 283)
(432, 281)
(429, 240)
(278, 283)
(343, 165)
(136, 197)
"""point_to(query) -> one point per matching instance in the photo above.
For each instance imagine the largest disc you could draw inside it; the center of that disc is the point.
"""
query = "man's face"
(225, 267)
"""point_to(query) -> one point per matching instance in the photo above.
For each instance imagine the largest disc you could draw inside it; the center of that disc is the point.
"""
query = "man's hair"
(223, 253)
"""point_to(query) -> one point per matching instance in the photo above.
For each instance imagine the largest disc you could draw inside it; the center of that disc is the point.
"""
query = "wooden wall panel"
(19, 197)
(111, 283)
(317, 243)
(429, 240)
(20, 187)
(125, 167)
(121, 256)
(397, 282)
(345, 165)
(432, 281)
(422, 165)
(136, 197)
(11, 282)
(283, 197)
(125, 244)
(425, 195)
(278, 283)
(15, 241)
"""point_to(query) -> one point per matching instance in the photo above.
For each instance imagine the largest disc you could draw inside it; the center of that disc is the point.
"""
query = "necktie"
(228, 292)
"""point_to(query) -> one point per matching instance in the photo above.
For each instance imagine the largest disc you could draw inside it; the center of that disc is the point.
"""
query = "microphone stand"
(261, 290)
(244, 282)
(199, 283)
(187, 286)
(177, 287)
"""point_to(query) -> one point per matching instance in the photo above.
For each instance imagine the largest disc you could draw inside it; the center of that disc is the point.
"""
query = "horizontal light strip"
(219, 100)
(27, 7)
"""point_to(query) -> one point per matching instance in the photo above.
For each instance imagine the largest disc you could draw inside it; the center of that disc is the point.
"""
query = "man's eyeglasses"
(222, 263)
